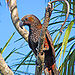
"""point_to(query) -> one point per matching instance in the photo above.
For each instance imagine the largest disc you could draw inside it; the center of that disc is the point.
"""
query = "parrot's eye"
(26, 18)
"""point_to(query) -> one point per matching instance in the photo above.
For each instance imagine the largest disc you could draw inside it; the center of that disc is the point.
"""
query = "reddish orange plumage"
(34, 34)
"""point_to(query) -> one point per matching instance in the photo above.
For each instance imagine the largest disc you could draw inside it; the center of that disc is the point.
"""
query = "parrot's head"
(31, 21)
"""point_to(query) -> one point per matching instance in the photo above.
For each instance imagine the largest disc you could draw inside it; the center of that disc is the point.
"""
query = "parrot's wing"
(50, 41)
(50, 56)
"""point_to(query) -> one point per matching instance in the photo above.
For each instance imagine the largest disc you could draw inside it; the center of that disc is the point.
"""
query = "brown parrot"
(34, 33)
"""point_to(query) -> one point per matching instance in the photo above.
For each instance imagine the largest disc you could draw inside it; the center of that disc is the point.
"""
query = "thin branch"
(68, 7)
(49, 10)
(41, 40)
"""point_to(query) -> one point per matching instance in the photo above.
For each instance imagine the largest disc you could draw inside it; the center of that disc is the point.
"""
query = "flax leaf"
(7, 43)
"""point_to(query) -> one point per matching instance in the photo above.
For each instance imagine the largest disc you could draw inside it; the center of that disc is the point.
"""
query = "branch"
(48, 12)
(68, 8)
(4, 69)
(15, 19)
(40, 62)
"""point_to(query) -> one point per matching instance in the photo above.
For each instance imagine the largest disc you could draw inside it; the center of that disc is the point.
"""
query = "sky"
(36, 7)
(24, 7)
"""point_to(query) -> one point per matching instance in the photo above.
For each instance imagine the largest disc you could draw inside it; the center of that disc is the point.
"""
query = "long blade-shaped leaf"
(71, 61)
(11, 53)
(65, 40)
(55, 38)
(18, 39)
(24, 60)
(7, 43)
(67, 58)
(67, 33)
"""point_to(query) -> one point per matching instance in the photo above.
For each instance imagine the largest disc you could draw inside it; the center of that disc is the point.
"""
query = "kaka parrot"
(34, 33)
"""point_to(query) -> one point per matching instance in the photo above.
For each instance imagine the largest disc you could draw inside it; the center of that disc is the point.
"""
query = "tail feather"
(50, 65)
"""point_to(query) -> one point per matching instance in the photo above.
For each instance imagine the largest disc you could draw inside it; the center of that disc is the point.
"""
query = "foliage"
(7, 43)
(64, 47)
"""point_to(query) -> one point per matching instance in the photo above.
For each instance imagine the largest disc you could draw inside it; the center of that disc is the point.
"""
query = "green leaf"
(0, 50)
(30, 61)
(65, 68)
(55, 38)
(58, 11)
(74, 8)
(68, 58)
(24, 60)
(19, 72)
(65, 40)
(57, 17)
(72, 70)
(11, 53)
(67, 33)
(72, 64)
(59, 45)
(7, 43)
(57, 22)
(18, 39)
(71, 61)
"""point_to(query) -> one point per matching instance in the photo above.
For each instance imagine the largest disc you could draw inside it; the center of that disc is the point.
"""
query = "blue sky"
(36, 7)
(24, 7)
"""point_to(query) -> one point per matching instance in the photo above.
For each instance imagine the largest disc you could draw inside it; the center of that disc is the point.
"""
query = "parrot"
(35, 27)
